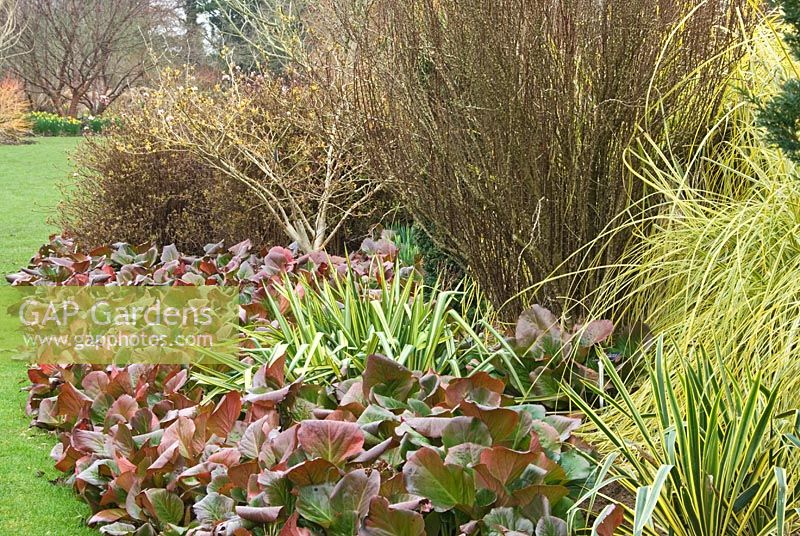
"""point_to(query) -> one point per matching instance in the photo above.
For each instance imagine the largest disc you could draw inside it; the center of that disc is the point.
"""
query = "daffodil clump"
(50, 124)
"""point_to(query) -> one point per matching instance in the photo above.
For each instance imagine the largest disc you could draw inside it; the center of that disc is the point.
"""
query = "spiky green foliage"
(710, 462)
(326, 330)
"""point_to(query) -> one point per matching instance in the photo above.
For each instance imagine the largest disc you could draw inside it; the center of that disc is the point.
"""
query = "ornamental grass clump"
(721, 270)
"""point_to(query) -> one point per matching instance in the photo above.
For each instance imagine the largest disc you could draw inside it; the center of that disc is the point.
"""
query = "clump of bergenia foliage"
(254, 270)
(545, 351)
(392, 452)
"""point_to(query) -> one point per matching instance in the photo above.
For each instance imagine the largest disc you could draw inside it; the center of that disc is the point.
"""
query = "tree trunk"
(74, 102)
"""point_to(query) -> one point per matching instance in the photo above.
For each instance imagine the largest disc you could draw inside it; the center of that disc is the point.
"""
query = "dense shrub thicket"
(503, 125)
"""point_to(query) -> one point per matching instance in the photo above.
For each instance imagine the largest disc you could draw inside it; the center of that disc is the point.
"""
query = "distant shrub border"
(50, 124)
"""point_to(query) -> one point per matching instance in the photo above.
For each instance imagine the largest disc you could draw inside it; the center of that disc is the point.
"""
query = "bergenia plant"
(393, 452)
(545, 351)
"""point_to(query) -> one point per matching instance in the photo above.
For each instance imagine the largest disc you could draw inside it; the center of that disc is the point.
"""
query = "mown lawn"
(29, 502)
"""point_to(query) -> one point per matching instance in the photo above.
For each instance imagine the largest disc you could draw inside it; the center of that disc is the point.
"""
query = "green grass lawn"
(29, 502)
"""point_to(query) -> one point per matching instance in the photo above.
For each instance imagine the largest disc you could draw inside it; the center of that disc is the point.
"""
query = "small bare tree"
(88, 52)
(8, 28)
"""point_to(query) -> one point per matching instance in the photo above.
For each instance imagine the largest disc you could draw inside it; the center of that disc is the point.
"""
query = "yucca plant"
(326, 329)
(712, 462)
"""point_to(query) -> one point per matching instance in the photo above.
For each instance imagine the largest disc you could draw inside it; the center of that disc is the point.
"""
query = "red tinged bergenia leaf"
(371, 455)
(227, 457)
(334, 441)
(225, 414)
(383, 520)
(72, 403)
(354, 492)
(176, 381)
(95, 383)
(535, 322)
(182, 433)
(313, 472)
(108, 516)
(120, 383)
(89, 441)
(254, 437)
(272, 375)
(595, 332)
(480, 388)
(270, 399)
(609, 519)
(124, 406)
(259, 514)
(501, 421)
(430, 427)
(66, 463)
(37, 376)
(165, 458)
(290, 528)
(240, 474)
(393, 378)
(505, 464)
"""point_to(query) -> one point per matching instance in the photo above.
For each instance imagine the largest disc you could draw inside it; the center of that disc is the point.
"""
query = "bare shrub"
(74, 53)
(503, 123)
(13, 111)
(163, 174)
(8, 29)
(280, 139)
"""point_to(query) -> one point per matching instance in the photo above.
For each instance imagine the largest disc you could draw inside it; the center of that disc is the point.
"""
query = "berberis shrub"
(130, 187)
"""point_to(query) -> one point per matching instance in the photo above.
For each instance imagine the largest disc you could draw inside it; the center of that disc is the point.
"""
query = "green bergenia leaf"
(167, 507)
(551, 526)
(384, 520)
(214, 508)
(461, 430)
(445, 485)
(501, 521)
(314, 504)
